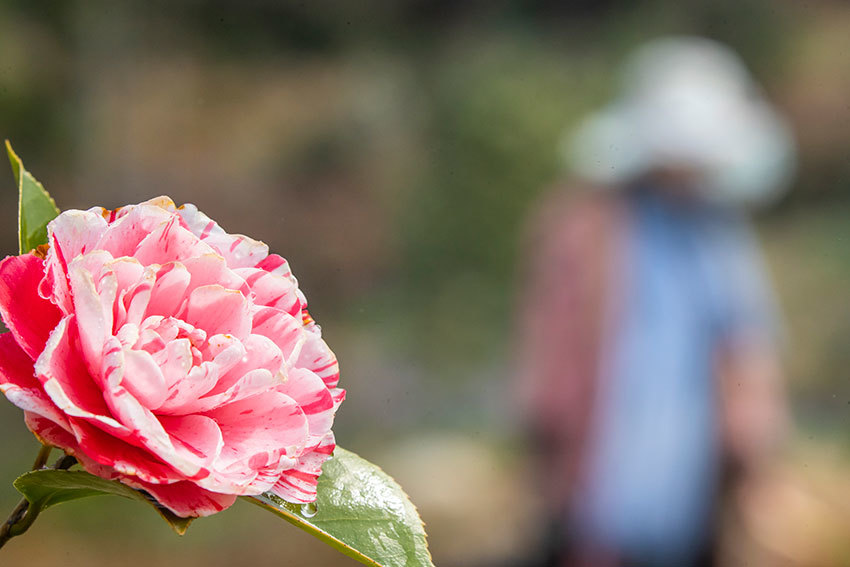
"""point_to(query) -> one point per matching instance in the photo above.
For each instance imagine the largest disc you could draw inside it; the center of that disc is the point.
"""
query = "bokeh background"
(391, 150)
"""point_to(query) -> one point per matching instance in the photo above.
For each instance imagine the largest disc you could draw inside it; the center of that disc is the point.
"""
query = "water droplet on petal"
(309, 510)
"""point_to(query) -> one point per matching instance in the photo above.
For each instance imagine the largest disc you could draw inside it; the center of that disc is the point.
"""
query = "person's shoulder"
(577, 206)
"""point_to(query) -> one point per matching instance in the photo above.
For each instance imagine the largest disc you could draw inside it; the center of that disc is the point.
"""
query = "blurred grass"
(807, 252)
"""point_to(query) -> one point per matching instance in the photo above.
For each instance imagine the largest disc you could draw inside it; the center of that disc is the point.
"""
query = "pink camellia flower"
(163, 352)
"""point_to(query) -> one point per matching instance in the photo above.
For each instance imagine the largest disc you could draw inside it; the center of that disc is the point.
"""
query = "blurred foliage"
(390, 149)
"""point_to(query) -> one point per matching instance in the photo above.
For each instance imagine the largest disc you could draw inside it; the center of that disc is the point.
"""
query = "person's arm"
(754, 409)
(562, 297)
(754, 416)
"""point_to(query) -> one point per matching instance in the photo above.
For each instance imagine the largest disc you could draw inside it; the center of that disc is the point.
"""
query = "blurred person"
(649, 365)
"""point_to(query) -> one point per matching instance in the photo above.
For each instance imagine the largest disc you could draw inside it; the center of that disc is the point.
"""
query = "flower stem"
(22, 516)
(41, 458)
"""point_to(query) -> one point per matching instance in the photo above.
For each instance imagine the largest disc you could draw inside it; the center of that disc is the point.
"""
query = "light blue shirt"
(692, 278)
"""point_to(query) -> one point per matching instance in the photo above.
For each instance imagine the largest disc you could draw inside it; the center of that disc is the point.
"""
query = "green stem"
(6, 530)
(22, 517)
(41, 458)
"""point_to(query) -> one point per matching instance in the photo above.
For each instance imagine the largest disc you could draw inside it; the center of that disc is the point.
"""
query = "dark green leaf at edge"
(45, 488)
(362, 512)
(35, 206)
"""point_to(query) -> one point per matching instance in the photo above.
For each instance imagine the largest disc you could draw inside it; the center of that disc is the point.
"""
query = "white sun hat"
(688, 103)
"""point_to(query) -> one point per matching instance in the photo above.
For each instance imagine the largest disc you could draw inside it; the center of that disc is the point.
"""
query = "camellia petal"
(29, 317)
(298, 484)
(170, 355)
(123, 233)
(169, 292)
(21, 387)
(239, 251)
(315, 400)
(65, 378)
(218, 310)
(185, 498)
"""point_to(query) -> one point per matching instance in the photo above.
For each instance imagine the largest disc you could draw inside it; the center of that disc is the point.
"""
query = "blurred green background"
(390, 150)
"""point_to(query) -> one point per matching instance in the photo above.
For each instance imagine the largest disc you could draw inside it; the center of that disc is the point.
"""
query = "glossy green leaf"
(35, 206)
(47, 487)
(360, 511)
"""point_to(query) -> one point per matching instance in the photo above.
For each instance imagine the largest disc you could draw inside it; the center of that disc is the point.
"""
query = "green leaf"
(362, 512)
(35, 206)
(45, 488)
